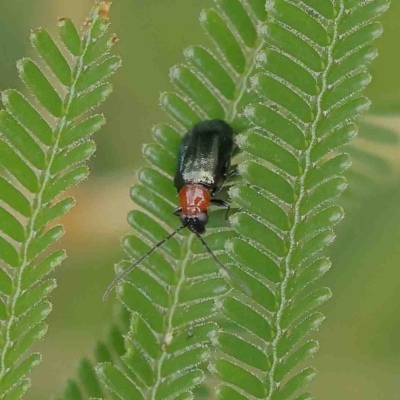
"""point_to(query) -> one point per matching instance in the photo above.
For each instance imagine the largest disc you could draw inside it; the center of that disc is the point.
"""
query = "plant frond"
(313, 70)
(87, 383)
(306, 68)
(371, 170)
(43, 150)
(172, 294)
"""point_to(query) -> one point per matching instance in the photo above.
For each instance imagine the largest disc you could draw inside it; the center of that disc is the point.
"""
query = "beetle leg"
(234, 171)
(222, 203)
(177, 211)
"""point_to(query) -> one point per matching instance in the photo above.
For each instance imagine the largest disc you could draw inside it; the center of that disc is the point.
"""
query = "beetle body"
(204, 161)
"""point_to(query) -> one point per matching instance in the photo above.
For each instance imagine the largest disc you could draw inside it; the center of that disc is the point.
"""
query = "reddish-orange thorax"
(194, 199)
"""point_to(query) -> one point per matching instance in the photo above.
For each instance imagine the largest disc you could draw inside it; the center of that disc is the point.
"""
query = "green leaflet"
(114, 377)
(45, 160)
(88, 382)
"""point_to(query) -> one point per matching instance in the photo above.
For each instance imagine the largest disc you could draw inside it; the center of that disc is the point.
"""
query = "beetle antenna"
(230, 273)
(122, 275)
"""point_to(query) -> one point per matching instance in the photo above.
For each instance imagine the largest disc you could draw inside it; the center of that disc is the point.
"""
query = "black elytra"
(204, 156)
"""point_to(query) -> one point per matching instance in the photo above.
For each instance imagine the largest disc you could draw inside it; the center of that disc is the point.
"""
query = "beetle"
(204, 162)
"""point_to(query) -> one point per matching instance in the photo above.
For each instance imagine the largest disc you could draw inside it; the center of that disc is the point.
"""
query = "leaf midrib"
(273, 386)
(170, 329)
(232, 111)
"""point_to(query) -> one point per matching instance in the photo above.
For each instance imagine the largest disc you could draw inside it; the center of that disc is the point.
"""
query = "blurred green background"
(360, 346)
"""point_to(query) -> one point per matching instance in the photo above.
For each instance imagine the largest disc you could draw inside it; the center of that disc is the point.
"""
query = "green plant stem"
(38, 203)
(242, 82)
(170, 329)
(297, 215)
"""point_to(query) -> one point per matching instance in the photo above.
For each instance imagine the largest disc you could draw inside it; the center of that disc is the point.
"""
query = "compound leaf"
(38, 158)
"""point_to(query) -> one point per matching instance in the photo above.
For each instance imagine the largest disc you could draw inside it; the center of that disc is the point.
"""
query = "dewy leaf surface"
(43, 153)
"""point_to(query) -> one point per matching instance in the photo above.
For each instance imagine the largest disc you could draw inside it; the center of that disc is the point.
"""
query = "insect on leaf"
(171, 304)
(288, 76)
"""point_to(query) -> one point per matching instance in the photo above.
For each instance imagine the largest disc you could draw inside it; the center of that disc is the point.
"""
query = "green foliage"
(305, 113)
(306, 68)
(173, 293)
(44, 145)
(370, 171)
(88, 384)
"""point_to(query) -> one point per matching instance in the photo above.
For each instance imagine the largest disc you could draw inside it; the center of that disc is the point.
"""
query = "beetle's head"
(195, 223)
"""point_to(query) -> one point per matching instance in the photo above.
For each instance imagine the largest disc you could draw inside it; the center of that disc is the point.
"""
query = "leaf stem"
(273, 386)
(170, 329)
(242, 82)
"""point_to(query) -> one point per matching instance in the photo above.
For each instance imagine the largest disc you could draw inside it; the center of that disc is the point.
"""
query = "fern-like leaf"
(313, 71)
(312, 58)
(44, 153)
(174, 291)
(370, 170)
(88, 384)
